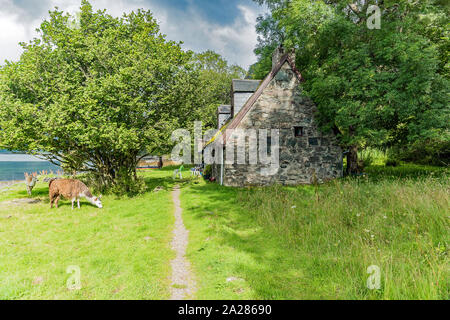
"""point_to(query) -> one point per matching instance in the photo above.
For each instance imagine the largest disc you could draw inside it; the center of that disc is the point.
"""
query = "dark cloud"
(27, 10)
(219, 11)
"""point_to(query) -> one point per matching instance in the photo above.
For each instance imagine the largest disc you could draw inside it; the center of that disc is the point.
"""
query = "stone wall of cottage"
(303, 159)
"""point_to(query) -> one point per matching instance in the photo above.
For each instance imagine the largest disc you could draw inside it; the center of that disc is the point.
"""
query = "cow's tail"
(51, 181)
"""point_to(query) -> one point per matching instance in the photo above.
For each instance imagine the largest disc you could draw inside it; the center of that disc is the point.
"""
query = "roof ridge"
(233, 123)
(251, 101)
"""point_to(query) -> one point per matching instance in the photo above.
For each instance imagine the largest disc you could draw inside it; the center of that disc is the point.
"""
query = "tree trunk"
(135, 175)
(352, 161)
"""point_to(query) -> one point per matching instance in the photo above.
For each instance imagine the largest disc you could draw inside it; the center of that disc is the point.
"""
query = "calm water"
(12, 166)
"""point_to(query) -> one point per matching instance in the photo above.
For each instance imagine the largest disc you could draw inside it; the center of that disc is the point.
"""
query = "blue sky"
(225, 26)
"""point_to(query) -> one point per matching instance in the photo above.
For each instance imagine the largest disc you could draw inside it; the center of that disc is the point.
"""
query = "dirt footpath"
(183, 282)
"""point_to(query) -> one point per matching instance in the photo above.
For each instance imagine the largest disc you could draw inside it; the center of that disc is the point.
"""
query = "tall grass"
(317, 242)
(371, 156)
(399, 224)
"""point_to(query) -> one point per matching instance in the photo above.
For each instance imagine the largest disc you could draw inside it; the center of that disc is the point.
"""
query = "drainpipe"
(221, 169)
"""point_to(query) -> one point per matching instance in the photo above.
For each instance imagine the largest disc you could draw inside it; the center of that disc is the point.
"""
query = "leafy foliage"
(379, 88)
(95, 93)
(93, 97)
(215, 76)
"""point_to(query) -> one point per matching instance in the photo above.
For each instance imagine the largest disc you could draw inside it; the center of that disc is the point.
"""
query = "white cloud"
(12, 33)
(238, 40)
(234, 41)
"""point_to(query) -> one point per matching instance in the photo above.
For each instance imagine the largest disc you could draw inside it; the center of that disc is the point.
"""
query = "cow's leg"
(73, 201)
(57, 201)
(53, 200)
(78, 201)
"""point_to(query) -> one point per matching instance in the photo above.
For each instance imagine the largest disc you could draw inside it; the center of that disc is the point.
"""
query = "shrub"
(431, 152)
(372, 157)
(128, 185)
(94, 182)
(392, 163)
(367, 161)
(207, 172)
(125, 185)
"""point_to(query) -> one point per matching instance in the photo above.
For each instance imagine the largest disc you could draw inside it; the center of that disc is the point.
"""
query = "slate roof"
(233, 123)
(225, 109)
(245, 85)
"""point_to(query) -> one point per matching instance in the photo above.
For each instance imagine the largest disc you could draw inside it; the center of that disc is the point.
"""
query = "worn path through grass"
(183, 281)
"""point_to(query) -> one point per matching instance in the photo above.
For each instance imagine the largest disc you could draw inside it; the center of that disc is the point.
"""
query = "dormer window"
(298, 132)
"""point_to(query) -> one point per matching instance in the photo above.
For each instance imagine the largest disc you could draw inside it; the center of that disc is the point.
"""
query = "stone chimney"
(223, 115)
(279, 53)
(241, 91)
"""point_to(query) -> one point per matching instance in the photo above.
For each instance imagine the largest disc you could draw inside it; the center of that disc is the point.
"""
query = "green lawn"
(317, 243)
(123, 251)
(254, 243)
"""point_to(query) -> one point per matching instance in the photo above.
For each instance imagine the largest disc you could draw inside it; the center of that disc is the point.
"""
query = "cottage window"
(313, 141)
(298, 131)
(269, 145)
(214, 153)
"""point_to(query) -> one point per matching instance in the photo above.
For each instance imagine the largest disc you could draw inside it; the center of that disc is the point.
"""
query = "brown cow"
(72, 190)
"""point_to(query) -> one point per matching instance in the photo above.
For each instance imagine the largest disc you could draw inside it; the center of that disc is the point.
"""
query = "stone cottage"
(305, 154)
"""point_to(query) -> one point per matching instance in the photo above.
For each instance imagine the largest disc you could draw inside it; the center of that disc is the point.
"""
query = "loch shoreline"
(13, 166)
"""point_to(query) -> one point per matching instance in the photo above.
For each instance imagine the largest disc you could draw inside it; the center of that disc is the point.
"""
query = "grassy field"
(302, 242)
(317, 243)
(123, 251)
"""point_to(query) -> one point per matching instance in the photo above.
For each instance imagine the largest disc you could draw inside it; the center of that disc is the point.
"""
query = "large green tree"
(214, 75)
(96, 92)
(373, 87)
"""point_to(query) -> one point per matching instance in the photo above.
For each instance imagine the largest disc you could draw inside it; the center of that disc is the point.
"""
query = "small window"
(269, 145)
(313, 141)
(298, 131)
(214, 153)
